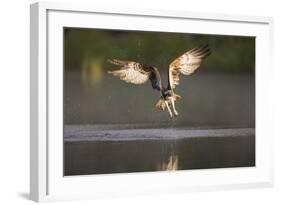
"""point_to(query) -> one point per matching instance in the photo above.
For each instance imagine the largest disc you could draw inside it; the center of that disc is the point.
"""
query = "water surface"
(102, 151)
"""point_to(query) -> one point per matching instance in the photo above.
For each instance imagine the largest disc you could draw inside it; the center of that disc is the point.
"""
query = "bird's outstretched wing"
(137, 73)
(186, 64)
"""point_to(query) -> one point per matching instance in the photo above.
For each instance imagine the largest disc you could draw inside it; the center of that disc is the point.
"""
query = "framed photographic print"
(127, 102)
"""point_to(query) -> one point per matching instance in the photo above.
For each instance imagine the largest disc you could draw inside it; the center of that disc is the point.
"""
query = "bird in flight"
(138, 73)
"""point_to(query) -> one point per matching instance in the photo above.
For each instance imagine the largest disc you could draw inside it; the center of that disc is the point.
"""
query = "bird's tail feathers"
(161, 102)
(161, 105)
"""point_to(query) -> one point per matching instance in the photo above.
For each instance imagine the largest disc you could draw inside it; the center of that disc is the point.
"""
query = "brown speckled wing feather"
(186, 64)
(136, 73)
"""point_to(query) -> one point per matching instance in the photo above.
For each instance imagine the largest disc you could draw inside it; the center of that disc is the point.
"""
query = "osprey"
(138, 73)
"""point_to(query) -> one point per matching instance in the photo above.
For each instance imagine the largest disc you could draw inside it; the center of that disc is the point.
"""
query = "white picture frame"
(47, 182)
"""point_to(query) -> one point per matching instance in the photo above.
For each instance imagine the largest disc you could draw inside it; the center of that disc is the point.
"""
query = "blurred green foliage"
(83, 46)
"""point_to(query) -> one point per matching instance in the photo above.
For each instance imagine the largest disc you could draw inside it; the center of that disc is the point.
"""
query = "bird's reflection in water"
(170, 159)
(170, 164)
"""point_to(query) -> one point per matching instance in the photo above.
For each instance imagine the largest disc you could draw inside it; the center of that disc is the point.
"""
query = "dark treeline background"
(229, 54)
